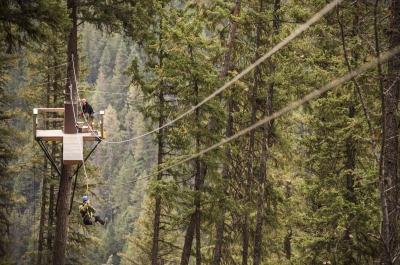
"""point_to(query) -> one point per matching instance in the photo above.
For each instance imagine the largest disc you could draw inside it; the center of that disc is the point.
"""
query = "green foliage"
(9, 139)
(24, 21)
(331, 209)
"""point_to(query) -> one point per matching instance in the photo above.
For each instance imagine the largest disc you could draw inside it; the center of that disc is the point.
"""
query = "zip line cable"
(302, 28)
(276, 48)
(285, 41)
(294, 105)
(284, 110)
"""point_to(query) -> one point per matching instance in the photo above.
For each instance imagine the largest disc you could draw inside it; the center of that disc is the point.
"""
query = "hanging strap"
(89, 213)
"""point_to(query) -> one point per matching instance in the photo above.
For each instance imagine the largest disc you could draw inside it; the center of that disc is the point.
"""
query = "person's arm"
(82, 111)
(82, 209)
(92, 210)
(90, 109)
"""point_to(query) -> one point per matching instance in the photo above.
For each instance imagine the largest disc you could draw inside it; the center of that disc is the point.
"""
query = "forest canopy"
(235, 132)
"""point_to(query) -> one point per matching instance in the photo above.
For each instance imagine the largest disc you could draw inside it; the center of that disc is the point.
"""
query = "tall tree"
(49, 58)
(226, 65)
(64, 192)
(7, 154)
(335, 157)
(110, 16)
(22, 23)
(388, 170)
(152, 15)
(266, 138)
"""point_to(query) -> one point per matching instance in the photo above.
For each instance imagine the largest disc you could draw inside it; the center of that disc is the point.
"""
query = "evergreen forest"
(235, 132)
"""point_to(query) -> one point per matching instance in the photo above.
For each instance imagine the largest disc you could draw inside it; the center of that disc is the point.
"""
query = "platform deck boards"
(72, 149)
(72, 143)
(57, 135)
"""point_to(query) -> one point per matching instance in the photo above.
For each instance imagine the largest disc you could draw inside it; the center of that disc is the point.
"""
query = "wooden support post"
(101, 124)
(35, 113)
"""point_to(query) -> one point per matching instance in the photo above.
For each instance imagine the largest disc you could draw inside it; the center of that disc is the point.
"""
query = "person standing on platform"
(86, 108)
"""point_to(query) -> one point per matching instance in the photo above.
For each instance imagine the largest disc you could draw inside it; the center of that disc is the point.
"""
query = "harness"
(88, 212)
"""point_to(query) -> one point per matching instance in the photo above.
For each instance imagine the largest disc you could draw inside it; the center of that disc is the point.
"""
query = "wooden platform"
(57, 135)
(72, 149)
(72, 143)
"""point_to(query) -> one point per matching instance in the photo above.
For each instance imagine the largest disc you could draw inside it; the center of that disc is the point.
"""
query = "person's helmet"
(85, 198)
(83, 100)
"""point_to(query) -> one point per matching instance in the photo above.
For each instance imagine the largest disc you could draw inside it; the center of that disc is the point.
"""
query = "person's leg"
(98, 219)
(101, 221)
(90, 120)
(87, 220)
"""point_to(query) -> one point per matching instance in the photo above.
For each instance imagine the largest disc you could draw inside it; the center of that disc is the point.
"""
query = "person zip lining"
(86, 108)
(87, 213)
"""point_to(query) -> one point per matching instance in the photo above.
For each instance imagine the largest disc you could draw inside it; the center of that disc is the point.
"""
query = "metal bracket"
(47, 153)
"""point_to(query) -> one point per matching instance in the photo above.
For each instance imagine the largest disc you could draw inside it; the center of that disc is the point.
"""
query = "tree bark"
(389, 153)
(350, 167)
(42, 216)
(264, 152)
(287, 244)
(50, 220)
(187, 246)
(225, 171)
(198, 171)
(160, 161)
(225, 176)
(263, 171)
(250, 176)
(61, 233)
(64, 193)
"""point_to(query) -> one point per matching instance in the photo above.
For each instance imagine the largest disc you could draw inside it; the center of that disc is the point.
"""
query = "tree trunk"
(350, 166)
(198, 170)
(287, 244)
(250, 174)
(389, 153)
(156, 230)
(160, 161)
(64, 193)
(61, 233)
(187, 246)
(264, 153)
(198, 221)
(42, 216)
(50, 220)
(263, 172)
(56, 153)
(225, 176)
(219, 236)
(228, 133)
(231, 40)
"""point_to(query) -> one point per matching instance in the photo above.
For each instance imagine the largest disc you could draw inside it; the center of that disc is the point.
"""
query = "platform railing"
(44, 118)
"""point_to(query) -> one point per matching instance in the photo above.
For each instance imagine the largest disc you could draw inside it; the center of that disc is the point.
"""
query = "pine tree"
(8, 136)
(335, 179)
(23, 23)
(105, 15)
